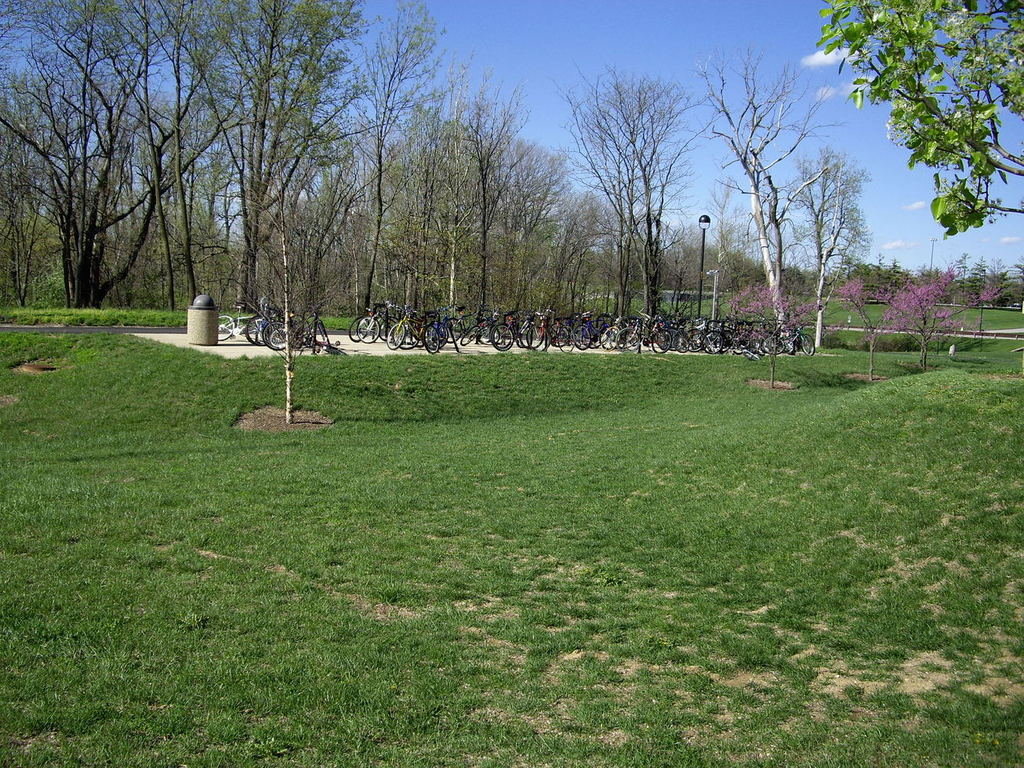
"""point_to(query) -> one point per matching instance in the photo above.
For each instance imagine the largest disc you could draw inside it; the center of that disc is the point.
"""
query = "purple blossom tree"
(774, 309)
(987, 296)
(914, 309)
(858, 297)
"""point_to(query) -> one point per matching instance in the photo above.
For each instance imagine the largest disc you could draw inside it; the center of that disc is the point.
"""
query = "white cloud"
(1010, 240)
(898, 245)
(822, 59)
(827, 92)
(917, 206)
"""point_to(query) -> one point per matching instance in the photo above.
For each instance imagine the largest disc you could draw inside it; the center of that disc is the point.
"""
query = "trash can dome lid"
(202, 301)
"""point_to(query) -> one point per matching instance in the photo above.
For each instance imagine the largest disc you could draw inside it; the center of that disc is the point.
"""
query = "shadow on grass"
(442, 390)
(827, 380)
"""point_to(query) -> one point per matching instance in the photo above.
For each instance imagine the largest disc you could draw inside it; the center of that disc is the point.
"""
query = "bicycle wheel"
(469, 334)
(432, 340)
(396, 336)
(714, 343)
(661, 340)
(225, 327)
(630, 339)
(412, 337)
(502, 338)
(274, 336)
(582, 338)
(353, 330)
(520, 336)
(368, 330)
(771, 344)
(561, 337)
(253, 331)
(806, 344)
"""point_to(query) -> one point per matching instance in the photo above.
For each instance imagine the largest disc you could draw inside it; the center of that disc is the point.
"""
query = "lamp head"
(704, 221)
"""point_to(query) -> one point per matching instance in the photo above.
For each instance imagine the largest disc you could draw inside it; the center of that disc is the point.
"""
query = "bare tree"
(72, 100)
(536, 183)
(631, 137)
(763, 125)
(177, 42)
(23, 229)
(491, 127)
(455, 205)
(280, 96)
(399, 67)
(833, 226)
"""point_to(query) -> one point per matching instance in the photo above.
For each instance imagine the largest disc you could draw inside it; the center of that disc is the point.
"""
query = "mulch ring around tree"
(786, 386)
(271, 419)
(36, 367)
(8, 400)
(864, 377)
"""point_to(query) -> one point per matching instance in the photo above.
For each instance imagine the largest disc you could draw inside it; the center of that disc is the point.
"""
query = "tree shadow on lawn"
(830, 379)
(490, 387)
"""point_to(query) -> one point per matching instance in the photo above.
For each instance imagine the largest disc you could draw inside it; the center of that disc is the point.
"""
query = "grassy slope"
(61, 316)
(120, 317)
(509, 560)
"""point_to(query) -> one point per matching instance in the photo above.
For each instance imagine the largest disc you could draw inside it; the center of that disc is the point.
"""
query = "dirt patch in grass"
(506, 651)
(384, 612)
(489, 607)
(35, 367)
(864, 377)
(8, 400)
(541, 723)
(555, 670)
(785, 386)
(271, 419)
(744, 679)
(835, 679)
(924, 673)
(614, 738)
(28, 743)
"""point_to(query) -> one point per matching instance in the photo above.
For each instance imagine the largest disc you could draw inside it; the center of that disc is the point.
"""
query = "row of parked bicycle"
(407, 328)
(266, 328)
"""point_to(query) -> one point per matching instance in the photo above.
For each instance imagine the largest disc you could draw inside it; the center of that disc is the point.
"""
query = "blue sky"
(545, 46)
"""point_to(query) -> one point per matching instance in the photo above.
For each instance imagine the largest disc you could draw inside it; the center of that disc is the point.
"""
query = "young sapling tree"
(858, 297)
(776, 311)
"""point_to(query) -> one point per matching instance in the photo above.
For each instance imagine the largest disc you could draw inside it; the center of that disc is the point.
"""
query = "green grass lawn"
(515, 560)
(119, 317)
(837, 315)
(62, 316)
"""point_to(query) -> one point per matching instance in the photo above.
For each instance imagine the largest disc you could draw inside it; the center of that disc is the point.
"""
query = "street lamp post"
(704, 221)
(931, 259)
(714, 293)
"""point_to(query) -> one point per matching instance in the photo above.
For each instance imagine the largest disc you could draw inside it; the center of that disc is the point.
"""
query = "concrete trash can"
(202, 322)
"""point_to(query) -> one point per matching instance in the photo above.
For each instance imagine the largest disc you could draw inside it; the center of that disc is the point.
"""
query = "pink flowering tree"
(762, 303)
(759, 301)
(915, 310)
(858, 297)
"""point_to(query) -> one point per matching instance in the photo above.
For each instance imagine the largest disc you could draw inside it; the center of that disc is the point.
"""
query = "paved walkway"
(239, 347)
